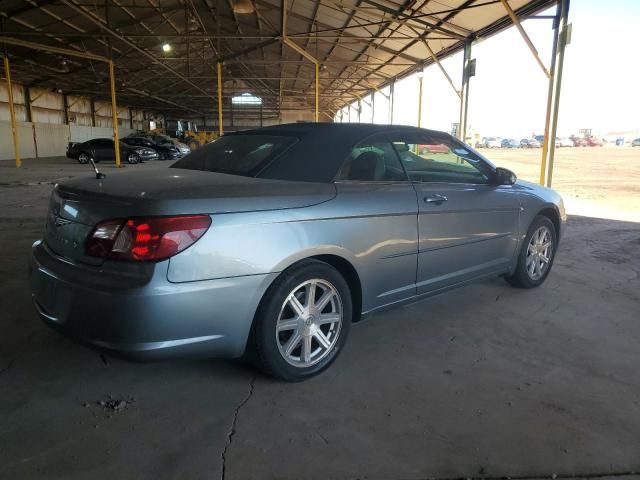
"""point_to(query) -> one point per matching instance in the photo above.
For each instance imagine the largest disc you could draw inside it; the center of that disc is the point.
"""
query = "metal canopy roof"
(360, 44)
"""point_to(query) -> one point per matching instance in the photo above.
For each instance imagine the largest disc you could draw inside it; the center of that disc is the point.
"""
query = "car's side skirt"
(432, 293)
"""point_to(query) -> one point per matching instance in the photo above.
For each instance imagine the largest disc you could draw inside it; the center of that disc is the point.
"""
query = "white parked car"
(493, 142)
(565, 142)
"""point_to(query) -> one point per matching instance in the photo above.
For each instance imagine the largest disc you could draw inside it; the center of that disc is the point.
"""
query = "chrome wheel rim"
(83, 158)
(309, 323)
(539, 253)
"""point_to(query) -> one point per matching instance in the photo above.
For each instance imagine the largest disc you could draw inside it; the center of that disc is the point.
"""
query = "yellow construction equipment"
(188, 133)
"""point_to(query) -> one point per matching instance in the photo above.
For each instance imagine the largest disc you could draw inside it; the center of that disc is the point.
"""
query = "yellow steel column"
(564, 31)
(12, 112)
(220, 129)
(317, 88)
(547, 121)
(114, 112)
(420, 76)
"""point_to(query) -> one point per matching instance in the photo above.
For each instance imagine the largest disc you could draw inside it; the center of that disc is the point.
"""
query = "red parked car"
(578, 142)
(433, 148)
(593, 142)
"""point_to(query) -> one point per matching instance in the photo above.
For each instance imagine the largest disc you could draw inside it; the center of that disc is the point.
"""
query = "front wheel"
(84, 158)
(132, 158)
(536, 254)
(303, 322)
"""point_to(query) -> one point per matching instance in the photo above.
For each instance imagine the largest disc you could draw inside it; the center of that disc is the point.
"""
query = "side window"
(372, 160)
(103, 143)
(440, 160)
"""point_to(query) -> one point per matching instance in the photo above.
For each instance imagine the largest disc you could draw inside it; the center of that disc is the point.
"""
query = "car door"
(103, 148)
(377, 208)
(87, 147)
(146, 143)
(467, 226)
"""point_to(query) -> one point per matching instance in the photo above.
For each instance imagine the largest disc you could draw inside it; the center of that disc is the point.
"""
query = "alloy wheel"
(309, 323)
(539, 253)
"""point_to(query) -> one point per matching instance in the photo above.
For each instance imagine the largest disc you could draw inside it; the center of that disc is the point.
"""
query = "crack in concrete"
(553, 476)
(232, 432)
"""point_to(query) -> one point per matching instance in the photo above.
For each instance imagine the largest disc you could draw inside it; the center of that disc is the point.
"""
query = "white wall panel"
(79, 110)
(45, 115)
(18, 93)
(46, 106)
(123, 132)
(51, 139)
(292, 116)
(21, 112)
(81, 133)
(18, 103)
(25, 137)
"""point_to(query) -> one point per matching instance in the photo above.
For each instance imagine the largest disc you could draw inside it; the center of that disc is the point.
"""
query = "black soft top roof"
(322, 148)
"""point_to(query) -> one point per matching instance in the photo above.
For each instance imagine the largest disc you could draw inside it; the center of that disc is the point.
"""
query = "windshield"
(244, 155)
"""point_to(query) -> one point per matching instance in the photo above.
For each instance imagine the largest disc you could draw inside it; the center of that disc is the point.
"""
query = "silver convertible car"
(270, 243)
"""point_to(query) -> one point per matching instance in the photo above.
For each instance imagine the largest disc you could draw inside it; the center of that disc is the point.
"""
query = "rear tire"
(536, 254)
(293, 338)
(132, 158)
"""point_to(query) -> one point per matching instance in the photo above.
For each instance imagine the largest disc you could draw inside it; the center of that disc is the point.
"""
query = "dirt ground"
(601, 182)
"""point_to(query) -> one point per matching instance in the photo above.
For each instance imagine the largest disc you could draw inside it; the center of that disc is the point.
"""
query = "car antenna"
(99, 174)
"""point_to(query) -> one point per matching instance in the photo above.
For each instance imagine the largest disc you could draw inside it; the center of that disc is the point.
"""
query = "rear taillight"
(146, 239)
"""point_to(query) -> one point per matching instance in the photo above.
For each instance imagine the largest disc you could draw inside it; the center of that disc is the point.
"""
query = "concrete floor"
(483, 381)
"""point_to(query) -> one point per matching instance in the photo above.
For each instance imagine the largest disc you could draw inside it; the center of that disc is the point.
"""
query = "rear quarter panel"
(373, 227)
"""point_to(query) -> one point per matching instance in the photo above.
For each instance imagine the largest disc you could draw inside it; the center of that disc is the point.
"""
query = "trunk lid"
(77, 205)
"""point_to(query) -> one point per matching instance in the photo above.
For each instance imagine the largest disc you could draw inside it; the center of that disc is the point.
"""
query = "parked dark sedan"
(272, 242)
(101, 149)
(166, 151)
(159, 139)
(510, 143)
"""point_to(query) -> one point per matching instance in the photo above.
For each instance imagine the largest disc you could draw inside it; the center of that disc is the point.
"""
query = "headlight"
(148, 151)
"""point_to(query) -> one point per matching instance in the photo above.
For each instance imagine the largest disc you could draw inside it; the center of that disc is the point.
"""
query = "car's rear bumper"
(157, 319)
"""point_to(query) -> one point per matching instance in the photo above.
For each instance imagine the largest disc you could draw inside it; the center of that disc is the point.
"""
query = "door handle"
(436, 198)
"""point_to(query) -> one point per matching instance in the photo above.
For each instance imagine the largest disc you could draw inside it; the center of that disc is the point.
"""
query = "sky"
(508, 94)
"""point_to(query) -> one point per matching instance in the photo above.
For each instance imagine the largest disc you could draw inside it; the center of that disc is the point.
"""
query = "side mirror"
(504, 176)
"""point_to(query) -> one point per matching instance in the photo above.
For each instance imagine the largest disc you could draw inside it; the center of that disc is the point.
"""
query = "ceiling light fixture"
(242, 6)
(166, 48)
